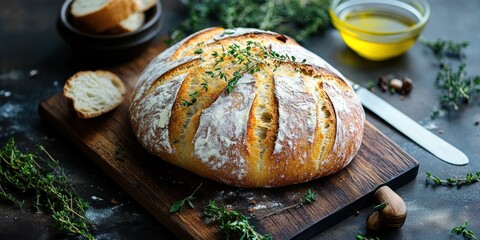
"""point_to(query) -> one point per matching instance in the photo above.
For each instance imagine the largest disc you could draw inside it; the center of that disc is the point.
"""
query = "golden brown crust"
(188, 47)
(107, 17)
(288, 122)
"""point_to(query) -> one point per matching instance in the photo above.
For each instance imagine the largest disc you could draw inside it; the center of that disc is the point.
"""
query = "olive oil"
(377, 30)
(378, 21)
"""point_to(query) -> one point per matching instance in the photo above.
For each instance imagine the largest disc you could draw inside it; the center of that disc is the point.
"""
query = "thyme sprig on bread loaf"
(271, 122)
(245, 59)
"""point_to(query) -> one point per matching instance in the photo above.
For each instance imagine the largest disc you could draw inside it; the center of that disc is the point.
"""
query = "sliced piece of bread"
(99, 15)
(130, 24)
(144, 5)
(94, 92)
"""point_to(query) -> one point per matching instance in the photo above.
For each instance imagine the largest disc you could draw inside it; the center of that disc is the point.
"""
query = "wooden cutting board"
(109, 141)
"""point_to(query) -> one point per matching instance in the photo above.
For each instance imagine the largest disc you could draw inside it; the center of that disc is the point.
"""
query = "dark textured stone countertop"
(29, 41)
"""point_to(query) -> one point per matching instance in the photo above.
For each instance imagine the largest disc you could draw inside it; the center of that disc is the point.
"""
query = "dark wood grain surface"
(109, 141)
(29, 41)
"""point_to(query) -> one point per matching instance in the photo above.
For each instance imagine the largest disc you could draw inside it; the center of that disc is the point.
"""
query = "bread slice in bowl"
(130, 24)
(97, 16)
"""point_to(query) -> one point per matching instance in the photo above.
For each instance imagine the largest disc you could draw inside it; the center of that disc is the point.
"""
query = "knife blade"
(417, 133)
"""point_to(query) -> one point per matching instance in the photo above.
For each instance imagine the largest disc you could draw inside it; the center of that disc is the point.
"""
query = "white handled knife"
(417, 133)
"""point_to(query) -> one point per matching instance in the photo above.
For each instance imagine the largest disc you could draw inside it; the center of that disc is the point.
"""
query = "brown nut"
(407, 85)
(382, 83)
(395, 213)
(396, 84)
(374, 221)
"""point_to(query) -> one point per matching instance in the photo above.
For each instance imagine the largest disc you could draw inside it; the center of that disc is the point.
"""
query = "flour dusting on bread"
(297, 114)
(221, 135)
(154, 120)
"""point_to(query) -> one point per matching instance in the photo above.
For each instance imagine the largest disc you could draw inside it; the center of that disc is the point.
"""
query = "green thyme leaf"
(380, 206)
(178, 206)
(462, 230)
(371, 85)
(363, 237)
(309, 197)
(435, 114)
(193, 99)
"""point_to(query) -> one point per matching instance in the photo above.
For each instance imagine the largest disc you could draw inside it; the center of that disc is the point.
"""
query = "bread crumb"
(94, 93)
(33, 73)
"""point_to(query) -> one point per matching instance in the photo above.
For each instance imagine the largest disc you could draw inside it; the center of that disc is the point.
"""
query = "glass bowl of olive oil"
(379, 29)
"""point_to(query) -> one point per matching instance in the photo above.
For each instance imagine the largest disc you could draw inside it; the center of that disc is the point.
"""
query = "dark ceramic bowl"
(109, 47)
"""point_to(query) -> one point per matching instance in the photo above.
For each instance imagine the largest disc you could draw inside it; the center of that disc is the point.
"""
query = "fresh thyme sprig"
(248, 59)
(456, 85)
(244, 57)
(5, 196)
(371, 85)
(178, 206)
(232, 222)
(245, 60)
(276, 15)
(309, 197)
(470, 178)
(30, 173)
(360, 236)
(462, 230)
(442, 48)
(435, 113)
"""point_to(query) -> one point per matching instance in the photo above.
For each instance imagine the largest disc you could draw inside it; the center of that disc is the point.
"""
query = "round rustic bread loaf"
(247, 108)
